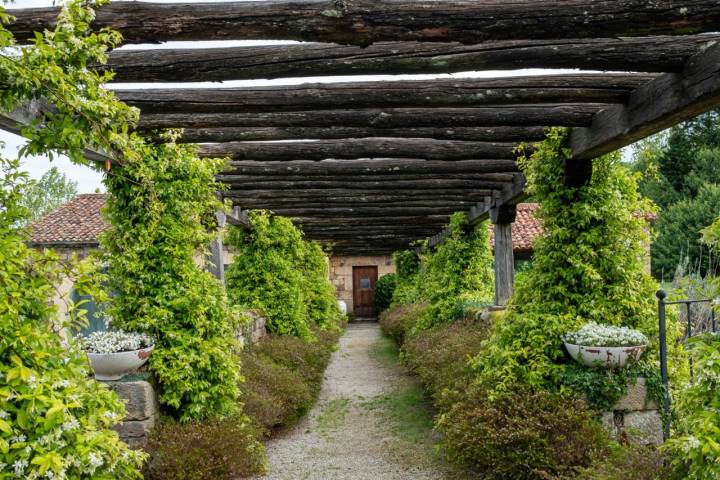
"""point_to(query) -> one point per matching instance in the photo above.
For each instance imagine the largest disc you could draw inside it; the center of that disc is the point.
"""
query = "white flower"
(95, 460)
(18, 438)
(70, 425)
(19, 467)
(593, 334)
(115, 341)
(4, 414)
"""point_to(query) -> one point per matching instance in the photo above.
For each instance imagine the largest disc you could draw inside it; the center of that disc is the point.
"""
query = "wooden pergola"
(373, 165)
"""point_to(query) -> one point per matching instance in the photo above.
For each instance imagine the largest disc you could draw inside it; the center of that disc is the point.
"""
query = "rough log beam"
(511, 193)
(238, 134)
(649, 54)
(443, 93)
(564, 115)
(659, 104)
(352, 183)
(430, 202)
(303, 195)
(367, 167)
(360, 212)
(402, 219)
(419, 148)
(21, 117)
(363, 22)
(493, 180)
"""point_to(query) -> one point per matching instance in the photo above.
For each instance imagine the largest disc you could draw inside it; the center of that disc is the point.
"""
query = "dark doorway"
(364, 279)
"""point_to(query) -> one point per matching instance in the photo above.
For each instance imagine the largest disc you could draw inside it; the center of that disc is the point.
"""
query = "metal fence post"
(661, 295)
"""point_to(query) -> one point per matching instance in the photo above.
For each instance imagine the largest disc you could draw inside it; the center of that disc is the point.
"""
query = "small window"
(364, 282)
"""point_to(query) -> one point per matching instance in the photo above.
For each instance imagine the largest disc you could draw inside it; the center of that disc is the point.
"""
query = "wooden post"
(216, 263)
(502, 218)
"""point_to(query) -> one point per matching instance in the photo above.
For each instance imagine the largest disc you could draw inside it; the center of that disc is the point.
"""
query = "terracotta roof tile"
(77, 222)
(525, 229)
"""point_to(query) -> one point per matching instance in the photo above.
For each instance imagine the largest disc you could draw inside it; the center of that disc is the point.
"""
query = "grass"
(385, 351)
(408, 414)
(332, 415)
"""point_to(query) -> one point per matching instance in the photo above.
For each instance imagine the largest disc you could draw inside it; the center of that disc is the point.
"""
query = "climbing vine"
(456, 273)
(161, 206)
(280, 273)
(589, 265)
(54, 421)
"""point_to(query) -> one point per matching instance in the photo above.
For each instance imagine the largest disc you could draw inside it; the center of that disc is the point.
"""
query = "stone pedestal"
(142, 410)
(254, 330)
(635, 417)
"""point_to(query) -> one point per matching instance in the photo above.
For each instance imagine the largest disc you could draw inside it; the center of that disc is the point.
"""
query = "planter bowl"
(609, 357)
(113, 366)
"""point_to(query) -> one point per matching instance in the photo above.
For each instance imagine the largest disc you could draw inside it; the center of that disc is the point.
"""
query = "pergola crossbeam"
(363, 22)
(644, 54)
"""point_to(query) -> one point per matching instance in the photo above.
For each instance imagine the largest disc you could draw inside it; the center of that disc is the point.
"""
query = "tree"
(45, 195)
(680, 170)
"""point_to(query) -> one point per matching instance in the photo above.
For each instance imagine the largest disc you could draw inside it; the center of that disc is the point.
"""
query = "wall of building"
(341, 273)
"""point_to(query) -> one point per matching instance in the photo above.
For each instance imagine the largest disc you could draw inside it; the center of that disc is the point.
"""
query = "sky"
(89, 180)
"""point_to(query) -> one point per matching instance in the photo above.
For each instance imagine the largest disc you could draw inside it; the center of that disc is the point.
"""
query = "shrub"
(695, 449)
(522, 434)
(283, 376)
(384, 289)
(55, 421)
(456, 271)
(588, 266)
(398, 321)
(628, 462)
(440, 356)
(407, 264)
(217, 448)
(281, 274)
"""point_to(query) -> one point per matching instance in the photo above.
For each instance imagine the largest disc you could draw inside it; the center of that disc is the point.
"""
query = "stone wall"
(341, 273)
(635, 417)
(141, 406)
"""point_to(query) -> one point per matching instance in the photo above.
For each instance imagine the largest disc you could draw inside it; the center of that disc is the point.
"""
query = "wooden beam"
(442, 93)
(34, 110)
(363, 22)
(351, 183)
(568, 115)
(391, 166)
(661, 103)
(320, 203)
(360, 211)
(239, 219)
(644, 54)
(403, 219)
(352, 148)
(239, 134)
(303, 195)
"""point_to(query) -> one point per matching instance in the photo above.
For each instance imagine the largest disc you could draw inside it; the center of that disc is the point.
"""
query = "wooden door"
(364, 279)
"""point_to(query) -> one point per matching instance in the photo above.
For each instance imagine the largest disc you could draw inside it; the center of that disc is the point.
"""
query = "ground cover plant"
(283, 376)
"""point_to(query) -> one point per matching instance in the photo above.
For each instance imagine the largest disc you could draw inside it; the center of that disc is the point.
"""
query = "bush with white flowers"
(597, 335)
(114, 341)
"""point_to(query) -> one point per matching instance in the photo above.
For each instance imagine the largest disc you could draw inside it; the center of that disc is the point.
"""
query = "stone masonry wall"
(141, 406)
(635, 417)
(341, 273)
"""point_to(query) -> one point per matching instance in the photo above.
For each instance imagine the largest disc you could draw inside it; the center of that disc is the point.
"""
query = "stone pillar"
(141, 408)
(216, 264)
(635, 417)
(502, 218)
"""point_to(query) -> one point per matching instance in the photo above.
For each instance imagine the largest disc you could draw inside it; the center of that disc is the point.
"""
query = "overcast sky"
(89, 180)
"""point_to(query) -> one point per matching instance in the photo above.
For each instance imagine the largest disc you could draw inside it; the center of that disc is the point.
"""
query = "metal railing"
(662, 304)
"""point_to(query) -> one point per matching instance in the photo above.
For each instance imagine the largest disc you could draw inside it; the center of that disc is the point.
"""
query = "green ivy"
(589, 265)
(54, 419)
(280, 273)
(161, 208)
(384, 290)
(162, 216)
(456, 273)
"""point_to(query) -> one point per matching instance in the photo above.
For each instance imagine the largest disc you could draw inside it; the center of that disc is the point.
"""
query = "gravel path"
(356, 430)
